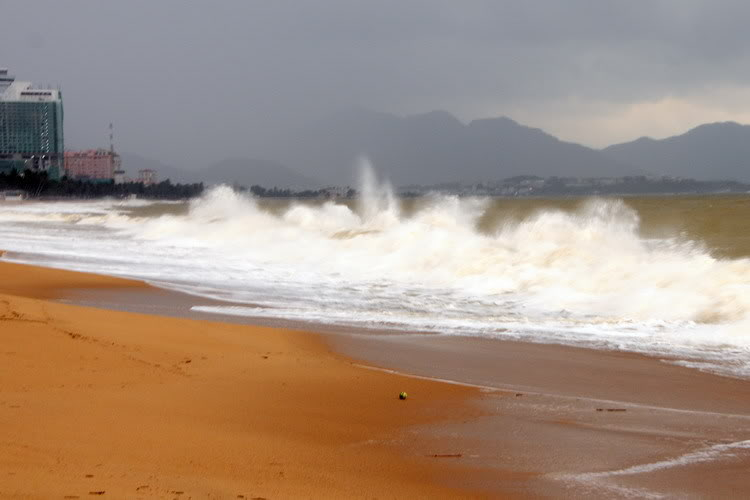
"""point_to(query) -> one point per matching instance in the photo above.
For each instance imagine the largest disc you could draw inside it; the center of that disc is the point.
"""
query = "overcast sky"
(187, 82)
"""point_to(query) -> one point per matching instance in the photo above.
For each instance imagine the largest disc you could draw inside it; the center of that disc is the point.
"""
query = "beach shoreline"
(524, 420)
(142, 406)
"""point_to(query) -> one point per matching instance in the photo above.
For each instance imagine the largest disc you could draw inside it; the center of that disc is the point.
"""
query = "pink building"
(97, 164)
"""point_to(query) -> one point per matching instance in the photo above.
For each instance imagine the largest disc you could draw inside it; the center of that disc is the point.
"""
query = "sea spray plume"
(377, 203)
(377, 209)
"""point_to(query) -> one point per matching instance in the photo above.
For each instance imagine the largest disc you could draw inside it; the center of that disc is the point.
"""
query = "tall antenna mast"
(111, 139)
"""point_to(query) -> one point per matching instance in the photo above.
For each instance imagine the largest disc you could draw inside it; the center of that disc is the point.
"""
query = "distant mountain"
(248, 172)
(435, 147)
(708, 152)
(132, 163)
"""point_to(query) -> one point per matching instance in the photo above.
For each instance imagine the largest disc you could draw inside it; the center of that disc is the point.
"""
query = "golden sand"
(96, 402)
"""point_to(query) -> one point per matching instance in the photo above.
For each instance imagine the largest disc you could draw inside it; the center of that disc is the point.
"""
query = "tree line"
(37, 184)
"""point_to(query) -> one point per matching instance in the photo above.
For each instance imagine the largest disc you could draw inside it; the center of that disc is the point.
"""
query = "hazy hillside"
(247, 172)
(132, 163)
(435, 147)
(240, 171)
(708, 152)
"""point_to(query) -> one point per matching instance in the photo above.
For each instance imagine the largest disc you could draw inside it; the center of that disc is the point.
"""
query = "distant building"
(93, 164)
(31, 127)
(147, 176)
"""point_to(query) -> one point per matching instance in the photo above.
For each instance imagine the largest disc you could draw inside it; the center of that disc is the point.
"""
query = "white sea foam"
(586, 276)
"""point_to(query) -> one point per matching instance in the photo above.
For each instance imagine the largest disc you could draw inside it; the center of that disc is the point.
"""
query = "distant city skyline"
(193, 83)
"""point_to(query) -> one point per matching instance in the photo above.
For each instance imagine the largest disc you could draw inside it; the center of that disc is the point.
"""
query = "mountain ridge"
(437, 147)
(710, 151)
(241, 171)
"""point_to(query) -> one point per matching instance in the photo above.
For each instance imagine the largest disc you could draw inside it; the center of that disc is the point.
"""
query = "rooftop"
(12, 90)
(89, 153)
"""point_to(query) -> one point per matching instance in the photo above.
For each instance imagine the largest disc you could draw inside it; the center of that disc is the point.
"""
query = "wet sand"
(585, 422)
(548, 421)
(570, 421)
(97, 402)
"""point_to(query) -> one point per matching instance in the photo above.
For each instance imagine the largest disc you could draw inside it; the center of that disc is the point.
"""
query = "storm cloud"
(194, 82)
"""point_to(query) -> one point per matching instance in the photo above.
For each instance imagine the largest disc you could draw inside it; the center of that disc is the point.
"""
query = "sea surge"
(586, 276)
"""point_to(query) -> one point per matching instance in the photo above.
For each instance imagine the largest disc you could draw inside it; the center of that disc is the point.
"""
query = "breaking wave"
(586, 275)
(591, 262)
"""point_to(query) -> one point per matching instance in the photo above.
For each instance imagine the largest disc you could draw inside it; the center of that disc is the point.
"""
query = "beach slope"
(97, 402)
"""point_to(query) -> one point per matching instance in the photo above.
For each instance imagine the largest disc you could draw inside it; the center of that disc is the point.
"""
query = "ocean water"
(663, 276)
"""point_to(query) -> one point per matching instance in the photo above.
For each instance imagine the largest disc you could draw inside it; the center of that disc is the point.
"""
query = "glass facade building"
(31, 127)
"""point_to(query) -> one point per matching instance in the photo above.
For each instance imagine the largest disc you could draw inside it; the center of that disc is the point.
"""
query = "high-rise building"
(31, 127)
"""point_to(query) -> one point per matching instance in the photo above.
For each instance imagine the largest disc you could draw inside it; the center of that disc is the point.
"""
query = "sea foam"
(583, 276)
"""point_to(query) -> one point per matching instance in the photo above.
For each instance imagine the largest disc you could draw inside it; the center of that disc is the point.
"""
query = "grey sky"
(189, 82)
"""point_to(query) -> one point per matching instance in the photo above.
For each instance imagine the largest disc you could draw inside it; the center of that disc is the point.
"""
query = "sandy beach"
(96, 402)
(147, 406)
